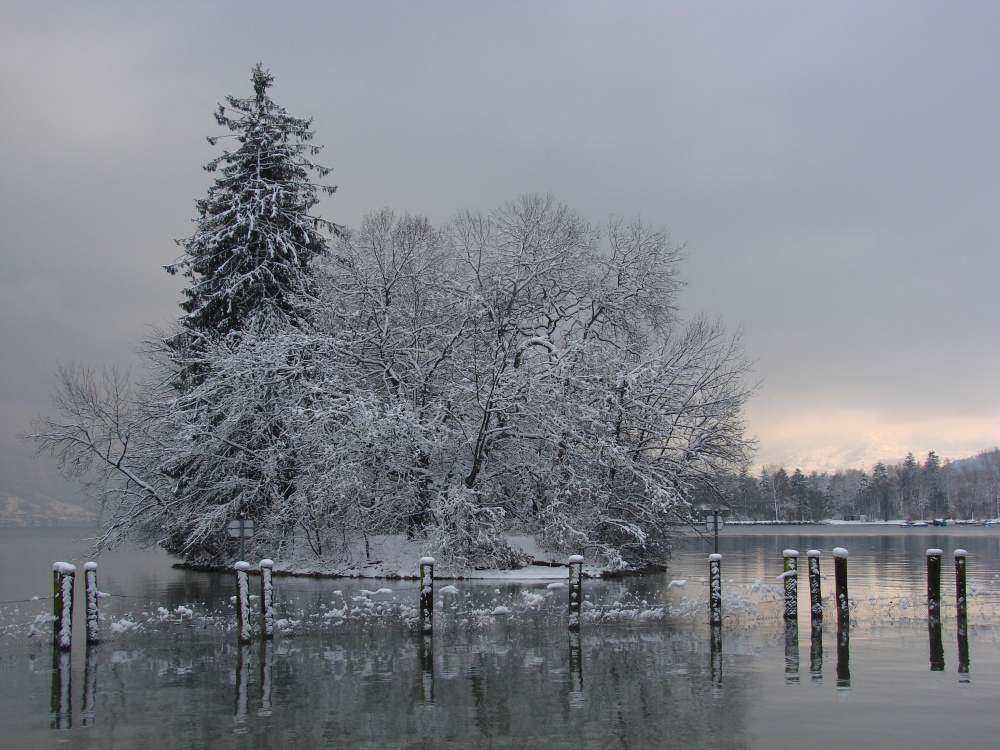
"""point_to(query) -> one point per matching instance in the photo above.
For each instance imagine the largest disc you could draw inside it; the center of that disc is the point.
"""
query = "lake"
(350, 670)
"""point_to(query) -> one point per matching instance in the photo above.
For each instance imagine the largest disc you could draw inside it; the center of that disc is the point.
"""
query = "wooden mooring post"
(266, 599)
(960, 588)
(791, 581)
(427, 595)
(63, 578)
(575, 590)
(934, 583)
(93, 615)
(715, 590)
(243, 600)
(840, 585)
(815, 586)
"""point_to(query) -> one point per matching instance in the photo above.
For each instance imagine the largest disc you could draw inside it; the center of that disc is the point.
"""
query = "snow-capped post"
(93, 616)
(715, 589)
(426, 594)
(63, 578)
(815, 587)
(243, 600)
(575, 590)
(960, 588)
(934, 582)
(791, 580)
(840, 584)
(266, 599)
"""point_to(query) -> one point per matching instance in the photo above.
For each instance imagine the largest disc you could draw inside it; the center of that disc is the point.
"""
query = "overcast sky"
(832, 169)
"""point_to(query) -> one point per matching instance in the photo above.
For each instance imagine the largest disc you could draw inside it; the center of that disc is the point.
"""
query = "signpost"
(241, 528)
(714, 522)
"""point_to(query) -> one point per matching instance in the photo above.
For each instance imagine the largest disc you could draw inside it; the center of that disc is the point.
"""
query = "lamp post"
(713, 523)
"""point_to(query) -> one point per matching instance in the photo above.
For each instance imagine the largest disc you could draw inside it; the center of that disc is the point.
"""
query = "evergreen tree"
(909, 481)
(933, 484)
(255, 236)
(251, 278)
(881, 487)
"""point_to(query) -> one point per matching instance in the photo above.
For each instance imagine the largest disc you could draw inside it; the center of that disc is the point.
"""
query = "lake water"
(349, 669)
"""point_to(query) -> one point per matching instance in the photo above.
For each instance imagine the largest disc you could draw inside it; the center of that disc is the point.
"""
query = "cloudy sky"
(832, 169)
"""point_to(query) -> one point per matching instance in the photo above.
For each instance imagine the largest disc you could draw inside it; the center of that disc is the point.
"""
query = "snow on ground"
(398, 557)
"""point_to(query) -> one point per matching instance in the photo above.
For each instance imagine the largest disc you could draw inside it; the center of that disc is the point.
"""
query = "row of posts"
(790, 582)
(64, 575)
(63, 580)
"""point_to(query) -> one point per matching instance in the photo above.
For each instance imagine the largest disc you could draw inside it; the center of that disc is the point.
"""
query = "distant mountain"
(831, 458)
(40, 510)
(31, 496)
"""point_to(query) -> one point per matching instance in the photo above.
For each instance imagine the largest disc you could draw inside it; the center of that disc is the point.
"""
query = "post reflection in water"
(717, 661)
(791, 651)
(242, 682)
(937, 646)
(62, 693)
(575, 670)
(426, 669)
(963, 649)
(89, 686)
(816, 651)
(266, 672)
(843, 655)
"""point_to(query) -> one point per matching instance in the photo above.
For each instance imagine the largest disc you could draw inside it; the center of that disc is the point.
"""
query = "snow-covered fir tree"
(255, 239)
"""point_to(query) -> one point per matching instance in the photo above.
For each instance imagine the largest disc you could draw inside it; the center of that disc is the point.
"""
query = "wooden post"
(93, 615)
(63, 578)
(840, 576)
(960, 588)
(791, 579)
(575, 590)
(815, 586)
(243, 600)
(266, 600)
(934, 583)
(427, 595)
(715, 590)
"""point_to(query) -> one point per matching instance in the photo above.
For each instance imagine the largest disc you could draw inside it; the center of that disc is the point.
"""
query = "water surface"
(352, 671)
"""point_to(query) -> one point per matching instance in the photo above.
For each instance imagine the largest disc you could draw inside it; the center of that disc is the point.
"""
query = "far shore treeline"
(910, 489)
